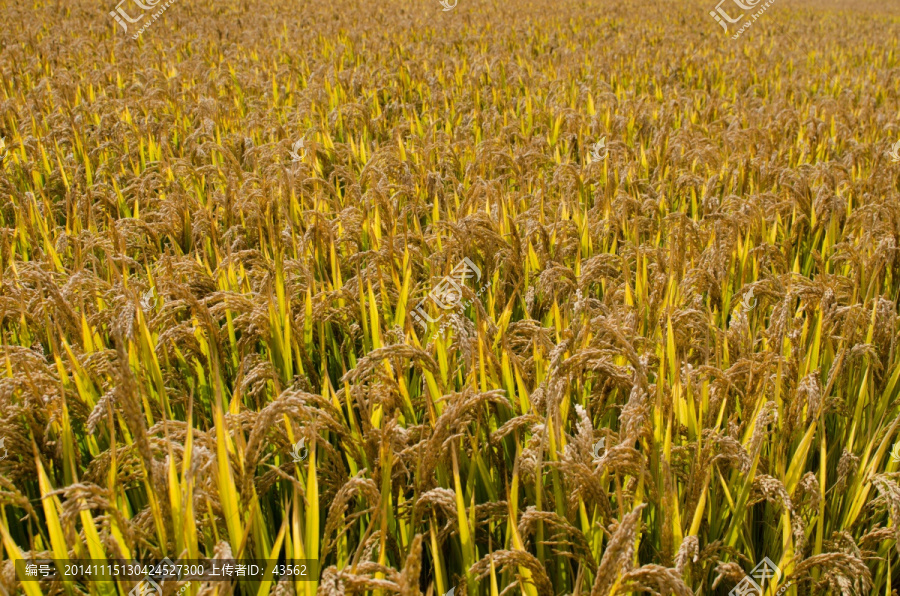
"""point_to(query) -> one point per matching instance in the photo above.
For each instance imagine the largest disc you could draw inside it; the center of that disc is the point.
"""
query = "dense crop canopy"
(551, 297)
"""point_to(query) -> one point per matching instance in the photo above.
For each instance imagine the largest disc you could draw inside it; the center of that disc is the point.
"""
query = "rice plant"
(228, 242)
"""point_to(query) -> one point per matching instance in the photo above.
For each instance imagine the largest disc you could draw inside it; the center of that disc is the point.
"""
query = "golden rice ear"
(618, 557)
(409, 575)
(664, 579)
(674, 351)
(889, 491)
(838, 569)
(530, 574)
(339, 521)
(687, 553)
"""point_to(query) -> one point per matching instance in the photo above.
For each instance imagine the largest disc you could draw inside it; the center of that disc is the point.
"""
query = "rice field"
(539, 298)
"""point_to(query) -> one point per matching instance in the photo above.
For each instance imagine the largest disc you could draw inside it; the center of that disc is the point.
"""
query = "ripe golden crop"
(533, 298)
